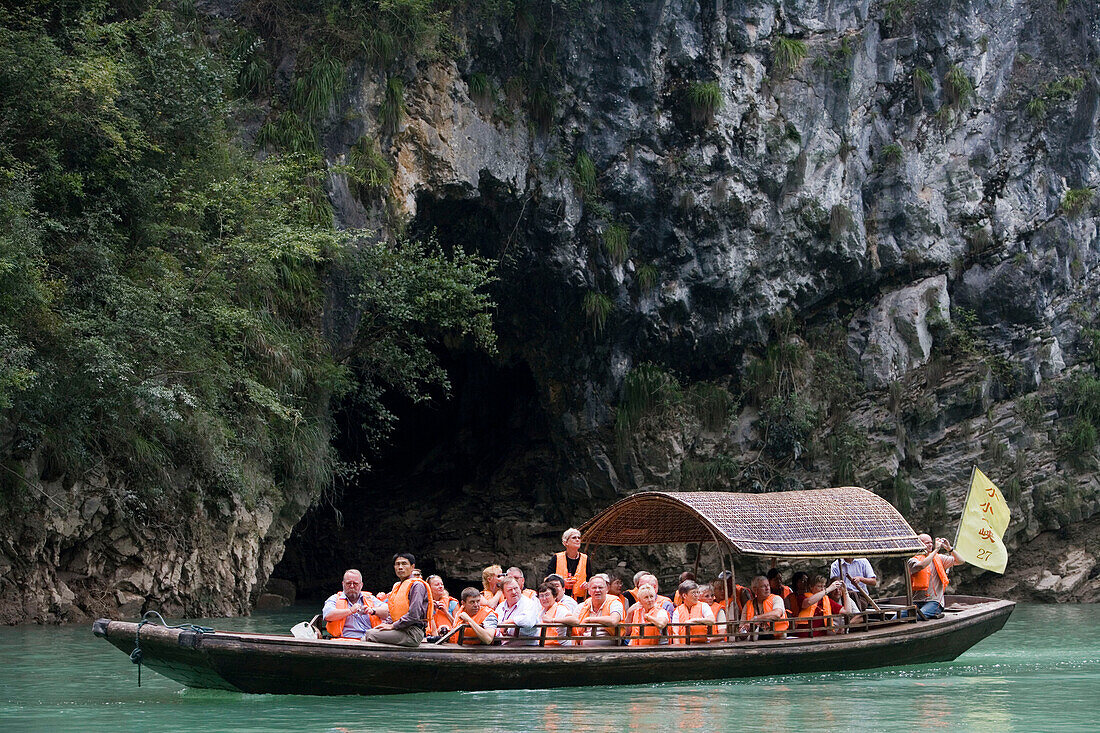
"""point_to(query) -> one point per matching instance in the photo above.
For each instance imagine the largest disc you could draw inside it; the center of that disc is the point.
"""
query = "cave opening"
(451, 469)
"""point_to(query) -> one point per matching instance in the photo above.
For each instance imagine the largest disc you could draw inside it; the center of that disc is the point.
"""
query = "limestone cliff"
(891, 202)
(833, 241)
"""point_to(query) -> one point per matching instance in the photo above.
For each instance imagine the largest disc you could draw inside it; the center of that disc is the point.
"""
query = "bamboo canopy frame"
(822, 523)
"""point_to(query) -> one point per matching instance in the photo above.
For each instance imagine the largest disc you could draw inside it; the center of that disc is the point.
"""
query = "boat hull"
(260, 663)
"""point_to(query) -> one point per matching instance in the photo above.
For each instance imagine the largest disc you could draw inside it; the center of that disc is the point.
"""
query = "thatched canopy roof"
(840, 522)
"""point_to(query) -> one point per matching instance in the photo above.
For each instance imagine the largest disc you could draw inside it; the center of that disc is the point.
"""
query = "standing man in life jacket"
(572, 564)
(347, 613)
(407, 607)
(928, 575)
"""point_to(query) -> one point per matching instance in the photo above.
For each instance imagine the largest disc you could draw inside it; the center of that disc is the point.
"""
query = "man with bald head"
(347, 613)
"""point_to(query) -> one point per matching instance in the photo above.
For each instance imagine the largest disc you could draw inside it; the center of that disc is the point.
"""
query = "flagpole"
(966, 502)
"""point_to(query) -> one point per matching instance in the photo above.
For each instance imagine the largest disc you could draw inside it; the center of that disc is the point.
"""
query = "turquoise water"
(1040, 673)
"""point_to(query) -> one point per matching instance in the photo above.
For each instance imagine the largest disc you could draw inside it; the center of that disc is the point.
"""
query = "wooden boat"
(747, 524)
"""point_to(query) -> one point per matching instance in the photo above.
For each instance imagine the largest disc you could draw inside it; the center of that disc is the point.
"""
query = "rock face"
(881, 191)
(87, 549)
(852, 218)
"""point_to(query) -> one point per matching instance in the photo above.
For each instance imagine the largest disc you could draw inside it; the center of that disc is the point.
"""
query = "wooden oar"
(859, 588)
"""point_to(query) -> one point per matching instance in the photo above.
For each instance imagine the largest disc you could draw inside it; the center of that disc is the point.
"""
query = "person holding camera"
(928, 575)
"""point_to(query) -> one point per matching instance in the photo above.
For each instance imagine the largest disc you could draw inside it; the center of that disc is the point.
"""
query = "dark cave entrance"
(450, 465)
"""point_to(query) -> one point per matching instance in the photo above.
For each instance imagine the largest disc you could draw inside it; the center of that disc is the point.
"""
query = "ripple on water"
(1038, 674)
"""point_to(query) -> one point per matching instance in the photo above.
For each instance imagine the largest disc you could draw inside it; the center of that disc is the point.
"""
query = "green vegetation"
(837, 62)
(616, 243)
(787, 55)
(898, 12)
(648, 391)
(481, 89)
(712, 403)
(1077, 200)
(1080, 398)
(891, 154)
(845, 446)
(315, 90)
(647, 276)
(368, 171)
(922, 83)
(161, 289)
(1054, 93)
(597, 307)
(584, 175)
(705, 99)
(710, 475)
(540, 108)
(393, 106)
(958, 87)
(789, 422)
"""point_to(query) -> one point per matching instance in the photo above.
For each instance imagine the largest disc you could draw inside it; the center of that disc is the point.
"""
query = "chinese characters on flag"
(984, 520)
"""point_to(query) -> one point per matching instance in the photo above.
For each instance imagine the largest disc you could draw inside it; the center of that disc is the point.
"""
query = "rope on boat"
(136, 656)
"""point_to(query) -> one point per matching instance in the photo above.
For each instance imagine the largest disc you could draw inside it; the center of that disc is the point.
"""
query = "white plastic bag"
(304, 630)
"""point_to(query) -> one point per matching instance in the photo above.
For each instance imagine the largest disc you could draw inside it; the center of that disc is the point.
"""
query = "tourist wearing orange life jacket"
(481, 621)
(677, 600)
(600, 609)
(572, 564)
(514, 572)
(652, 618)
(663, 601)
(928, 575)
(815, 602)
(775, 581)
(558, 584)
(406, 607)
(764, 614)
(552, 611)
(490, 586)
(347, 613)
(444, 606)
(518, 616)
(692, 609)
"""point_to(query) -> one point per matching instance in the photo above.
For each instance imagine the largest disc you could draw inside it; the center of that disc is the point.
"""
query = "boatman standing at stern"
(572, 565)
(928, 574)
(347, 613)
(857, 574)
(407, 606)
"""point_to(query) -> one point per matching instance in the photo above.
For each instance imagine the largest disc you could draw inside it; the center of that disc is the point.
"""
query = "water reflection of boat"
(817, 524)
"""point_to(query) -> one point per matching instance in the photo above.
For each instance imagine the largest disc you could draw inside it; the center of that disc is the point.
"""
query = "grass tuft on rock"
(705, 99)
(787, 55)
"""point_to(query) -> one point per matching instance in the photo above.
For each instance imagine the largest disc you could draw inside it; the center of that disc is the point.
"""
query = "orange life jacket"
(684, 614)
(443, 617)
(585, 611)
(579, 578)
(716, 607)
(490, 599)
(336, 628)
(557, 610)
(398, 601)
(780, 624)
(923, 577)
(648, 635)
(467, 635)
(528, 593)
(807, 612)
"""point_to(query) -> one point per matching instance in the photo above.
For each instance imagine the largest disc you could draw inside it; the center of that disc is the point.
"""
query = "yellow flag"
(982, 527)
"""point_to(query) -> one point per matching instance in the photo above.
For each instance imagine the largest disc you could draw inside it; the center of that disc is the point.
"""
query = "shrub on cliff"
(162, 292)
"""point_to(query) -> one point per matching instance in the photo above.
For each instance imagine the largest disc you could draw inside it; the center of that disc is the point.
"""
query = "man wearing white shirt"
(857, 574)
(521, 612)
